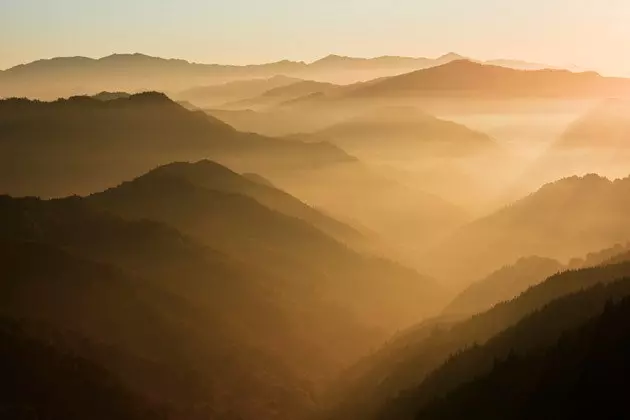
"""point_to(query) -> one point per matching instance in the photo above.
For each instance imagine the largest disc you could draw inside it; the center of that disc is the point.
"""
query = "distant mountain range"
(472, 79)
(67, 76)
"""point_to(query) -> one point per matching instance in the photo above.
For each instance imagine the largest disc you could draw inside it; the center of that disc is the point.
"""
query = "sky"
(591, 34)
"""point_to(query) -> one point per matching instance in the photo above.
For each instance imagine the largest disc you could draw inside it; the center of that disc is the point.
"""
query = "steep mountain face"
(183, 323)
(581, 376)
(212, 176)
(537, 342)
(466, 78)
(408, 361)
(285, 246)
(543, 223)
(82, 144)
(502, 285)
(214, 95)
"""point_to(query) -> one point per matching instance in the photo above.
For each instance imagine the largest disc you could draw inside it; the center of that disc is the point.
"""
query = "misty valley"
(347, 239)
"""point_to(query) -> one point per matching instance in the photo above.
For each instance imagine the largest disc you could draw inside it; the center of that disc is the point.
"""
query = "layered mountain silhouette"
(213, 95)
(419, 364)
(502, 285)
(406, 131)
(581, 375)
(281, 95)
(467, 78)
(194, 199)
(224, 324)
(67, 76)
(83, 144)
(545, 223)
(577, 364)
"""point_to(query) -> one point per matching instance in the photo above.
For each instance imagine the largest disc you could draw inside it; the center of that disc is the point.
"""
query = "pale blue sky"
(589, 33)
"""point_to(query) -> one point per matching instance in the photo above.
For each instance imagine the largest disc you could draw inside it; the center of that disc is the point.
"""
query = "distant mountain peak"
(151, 97)
(451, 56)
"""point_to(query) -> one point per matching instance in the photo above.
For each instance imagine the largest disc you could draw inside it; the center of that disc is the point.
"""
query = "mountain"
(504, 284)
(465, 78)
(68, 76)
(543, 223)
(282, 94)
(405, 218)
(82, 389)
(184, 196)
(82, 144)
(607, 126)
(124, 72)
(212, 176)
(595, 141)
(549, 363)
(385, 382)
(108, 96)
(579, 376)
(522, 65)
(214, 95)
(192, 326)
(405, 132)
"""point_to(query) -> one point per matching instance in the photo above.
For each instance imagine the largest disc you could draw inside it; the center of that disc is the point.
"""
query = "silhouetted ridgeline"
(65, 76)
(244, 298)
(401, 367)
(544, 224)
(581, 374)
(82, 144)
(503, 284)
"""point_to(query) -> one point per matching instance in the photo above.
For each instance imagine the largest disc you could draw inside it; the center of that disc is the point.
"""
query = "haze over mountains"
(67, 76)
(360, 239)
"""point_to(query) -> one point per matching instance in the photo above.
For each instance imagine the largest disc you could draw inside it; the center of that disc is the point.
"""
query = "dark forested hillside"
(580, 374)
(39, 381)
(405, 363)
(533, 333)
(191, 283)
(504, 284)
